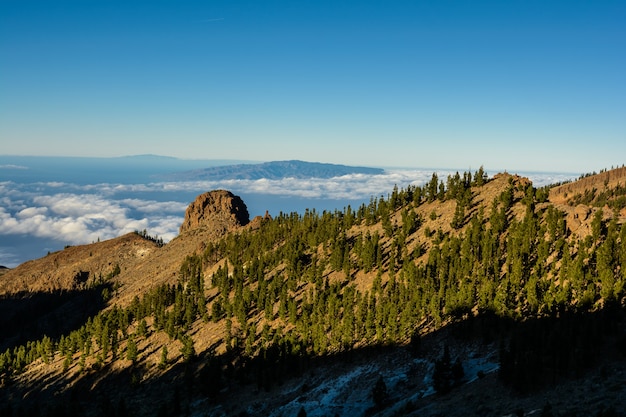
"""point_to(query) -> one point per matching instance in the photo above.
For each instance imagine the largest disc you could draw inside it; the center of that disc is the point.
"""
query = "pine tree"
(131, 349)
(187, 350)
(142, 328)
(379, 392)
(163, 361)
(446, 374)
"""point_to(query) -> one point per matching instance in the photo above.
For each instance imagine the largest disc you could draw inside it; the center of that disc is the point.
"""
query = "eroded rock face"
(220, 211)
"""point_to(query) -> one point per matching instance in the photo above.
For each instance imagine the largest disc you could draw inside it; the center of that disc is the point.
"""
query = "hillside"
(418, 303)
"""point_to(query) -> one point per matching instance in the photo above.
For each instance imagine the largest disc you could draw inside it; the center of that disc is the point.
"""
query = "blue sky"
(517, 85)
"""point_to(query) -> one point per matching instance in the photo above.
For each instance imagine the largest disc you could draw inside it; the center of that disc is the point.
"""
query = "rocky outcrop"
(258, 221)
(220, 211)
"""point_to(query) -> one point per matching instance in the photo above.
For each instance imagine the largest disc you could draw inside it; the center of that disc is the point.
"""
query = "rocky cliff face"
(220, 211)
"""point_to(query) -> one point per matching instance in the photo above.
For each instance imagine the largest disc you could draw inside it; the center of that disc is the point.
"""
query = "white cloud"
(73, 205)
(56, 184)
(31, 212)
(85, 218)
(165, 227)
(349, 187)
(543, 179)
(353, 186)
(151, 206)
(11, 166)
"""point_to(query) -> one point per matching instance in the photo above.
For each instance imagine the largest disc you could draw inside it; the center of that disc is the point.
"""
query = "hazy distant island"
(272, 170)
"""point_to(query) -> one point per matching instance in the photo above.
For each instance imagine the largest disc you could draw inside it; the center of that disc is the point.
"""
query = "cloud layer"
(82, 218)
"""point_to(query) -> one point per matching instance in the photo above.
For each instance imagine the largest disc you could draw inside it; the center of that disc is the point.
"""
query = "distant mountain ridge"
(273, 170)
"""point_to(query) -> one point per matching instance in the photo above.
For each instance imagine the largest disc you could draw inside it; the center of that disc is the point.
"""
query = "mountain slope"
(273, 171)
(491, 268)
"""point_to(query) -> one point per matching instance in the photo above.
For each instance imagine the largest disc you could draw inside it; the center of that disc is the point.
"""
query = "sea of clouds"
(36, 217)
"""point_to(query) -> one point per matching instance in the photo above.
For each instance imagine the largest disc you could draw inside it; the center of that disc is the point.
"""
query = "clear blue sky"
(517, 85)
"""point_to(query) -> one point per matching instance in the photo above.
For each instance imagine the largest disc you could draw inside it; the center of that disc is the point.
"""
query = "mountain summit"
(219, 210)
(273, 171)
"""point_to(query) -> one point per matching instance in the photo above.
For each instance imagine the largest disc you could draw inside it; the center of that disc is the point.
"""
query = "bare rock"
(219, 211)
(582, 212)
(259, 221)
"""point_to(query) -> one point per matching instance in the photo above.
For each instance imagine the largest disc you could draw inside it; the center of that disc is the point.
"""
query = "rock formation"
(220, 211)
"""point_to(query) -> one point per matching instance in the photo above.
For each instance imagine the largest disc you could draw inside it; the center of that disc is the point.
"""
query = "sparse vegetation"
(156, 239)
